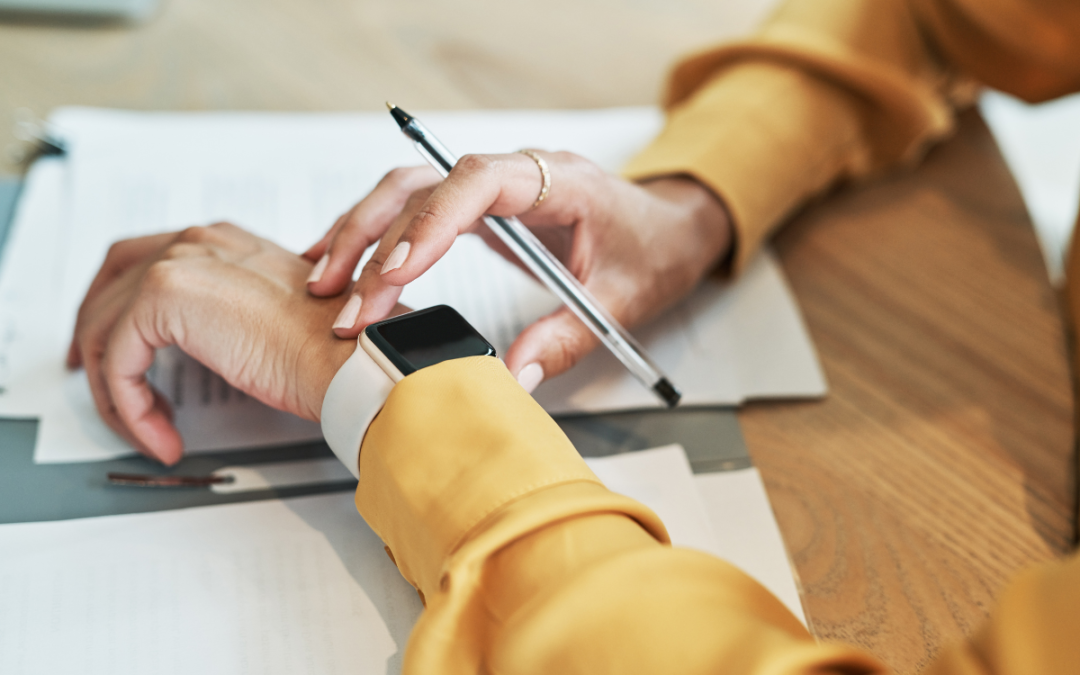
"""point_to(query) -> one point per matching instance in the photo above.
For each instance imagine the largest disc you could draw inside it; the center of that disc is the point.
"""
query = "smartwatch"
(409, 342)
(387, 352)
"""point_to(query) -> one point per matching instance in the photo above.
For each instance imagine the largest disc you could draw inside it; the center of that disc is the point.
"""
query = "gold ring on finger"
(545, 176)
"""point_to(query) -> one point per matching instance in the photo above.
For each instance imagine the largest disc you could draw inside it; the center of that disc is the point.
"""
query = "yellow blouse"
(835, 90)
(526, 563)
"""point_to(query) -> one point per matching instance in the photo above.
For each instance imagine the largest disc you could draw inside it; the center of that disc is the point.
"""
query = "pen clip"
(166, 481)
(39, 138)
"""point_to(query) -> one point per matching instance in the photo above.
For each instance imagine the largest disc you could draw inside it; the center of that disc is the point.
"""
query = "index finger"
(498, 185)
(338, 252)
(478, 185)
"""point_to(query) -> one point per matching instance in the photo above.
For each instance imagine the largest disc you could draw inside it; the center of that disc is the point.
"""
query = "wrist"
(701, 208)
(321, 357)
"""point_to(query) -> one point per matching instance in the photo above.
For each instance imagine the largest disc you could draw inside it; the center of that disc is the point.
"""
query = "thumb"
(144, 414)
(549, 347)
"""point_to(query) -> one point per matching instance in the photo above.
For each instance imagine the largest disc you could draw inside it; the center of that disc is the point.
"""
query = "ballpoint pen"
(550, 271)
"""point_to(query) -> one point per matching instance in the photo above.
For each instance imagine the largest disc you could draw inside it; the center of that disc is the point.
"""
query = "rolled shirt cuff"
(456, 443)
(764, 138)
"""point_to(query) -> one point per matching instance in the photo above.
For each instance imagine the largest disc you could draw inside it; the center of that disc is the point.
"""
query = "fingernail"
(530, 376)
(349, 312)
(320, 267)
(397, 257)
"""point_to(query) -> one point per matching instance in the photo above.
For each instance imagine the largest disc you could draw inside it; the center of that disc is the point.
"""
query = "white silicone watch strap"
(355, 396)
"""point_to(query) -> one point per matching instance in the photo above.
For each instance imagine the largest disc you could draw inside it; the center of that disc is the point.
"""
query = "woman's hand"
(233, 301)
(637, 248)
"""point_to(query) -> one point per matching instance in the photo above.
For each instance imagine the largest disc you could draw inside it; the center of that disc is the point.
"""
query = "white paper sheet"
(299, 585)
(726, 514)
(1041, 144)
(270, 587)
(287, 177)
(662, 479)
(747, 533)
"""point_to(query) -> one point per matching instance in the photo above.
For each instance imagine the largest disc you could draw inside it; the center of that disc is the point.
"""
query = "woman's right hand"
(638, 248)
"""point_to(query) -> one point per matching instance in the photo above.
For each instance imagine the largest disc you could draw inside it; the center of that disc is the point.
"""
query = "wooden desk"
(941, 461)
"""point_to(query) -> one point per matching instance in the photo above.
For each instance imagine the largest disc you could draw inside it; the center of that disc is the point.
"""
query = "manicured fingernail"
(349, 312)
(530, 376)
(397, 257)
(317, 271)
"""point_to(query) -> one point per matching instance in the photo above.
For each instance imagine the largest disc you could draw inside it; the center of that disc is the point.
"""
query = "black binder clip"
(38, 139)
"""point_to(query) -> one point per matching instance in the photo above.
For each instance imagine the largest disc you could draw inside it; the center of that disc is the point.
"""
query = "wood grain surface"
(941, 461)
(354, 55)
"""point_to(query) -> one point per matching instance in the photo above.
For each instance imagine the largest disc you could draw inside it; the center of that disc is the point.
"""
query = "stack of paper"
(287, 177)
(293, 586)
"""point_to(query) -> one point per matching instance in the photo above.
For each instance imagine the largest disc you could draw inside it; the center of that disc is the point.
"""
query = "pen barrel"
(554, 275)
(436, 154)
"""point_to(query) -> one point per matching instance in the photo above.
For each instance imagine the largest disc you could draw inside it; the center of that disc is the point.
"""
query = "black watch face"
(426, 337)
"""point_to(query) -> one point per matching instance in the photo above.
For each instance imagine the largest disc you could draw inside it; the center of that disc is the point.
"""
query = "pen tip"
(400, 116)
(390, 106)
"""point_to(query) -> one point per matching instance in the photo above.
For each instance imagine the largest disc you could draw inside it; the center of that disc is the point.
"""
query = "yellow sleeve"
(834, 90)
(527, 564)
(1033, 631)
